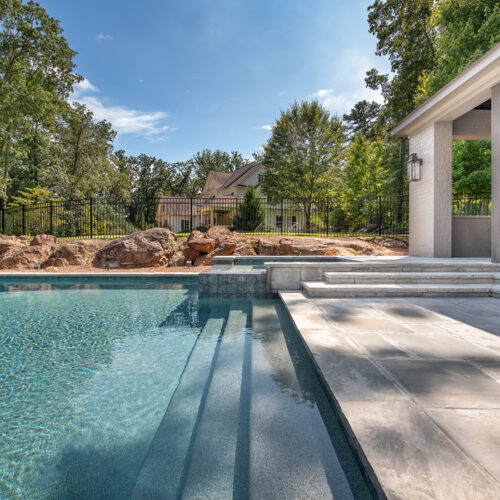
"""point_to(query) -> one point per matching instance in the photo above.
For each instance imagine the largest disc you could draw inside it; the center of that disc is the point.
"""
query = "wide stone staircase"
(409, 279)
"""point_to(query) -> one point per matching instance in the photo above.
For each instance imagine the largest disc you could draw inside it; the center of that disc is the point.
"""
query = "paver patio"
(417, 386)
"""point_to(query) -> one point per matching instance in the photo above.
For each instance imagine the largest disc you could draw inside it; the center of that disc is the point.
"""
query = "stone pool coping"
(423, 426)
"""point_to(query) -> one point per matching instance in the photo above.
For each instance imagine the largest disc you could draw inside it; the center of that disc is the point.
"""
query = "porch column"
(430, 198)
(495, 173)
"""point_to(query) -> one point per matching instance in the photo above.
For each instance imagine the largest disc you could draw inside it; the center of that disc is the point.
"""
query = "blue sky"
(174, 77)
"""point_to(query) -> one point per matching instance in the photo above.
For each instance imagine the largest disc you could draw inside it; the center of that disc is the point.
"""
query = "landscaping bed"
(159, 249)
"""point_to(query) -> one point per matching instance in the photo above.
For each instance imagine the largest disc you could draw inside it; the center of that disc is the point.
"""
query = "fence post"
(51, 218)
(191, 216)
(3, 204)
(91, 218)
(327, 215)
(281, 215)
(24, 219)
(380, 215)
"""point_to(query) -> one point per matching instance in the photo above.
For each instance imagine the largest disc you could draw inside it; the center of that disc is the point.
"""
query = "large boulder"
(55, 262)
(202, 245)
(266, 248)
(244, 249)
(24, 257)
(323, 246)
(195, 235)
(43, 239)
(189, 253)
(223, 235)
(150, 248)
(223, 249)
(9, 242)
(177, 259)
(80, 252)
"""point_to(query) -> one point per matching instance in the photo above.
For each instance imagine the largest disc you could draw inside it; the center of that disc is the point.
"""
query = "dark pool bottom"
(111, 391)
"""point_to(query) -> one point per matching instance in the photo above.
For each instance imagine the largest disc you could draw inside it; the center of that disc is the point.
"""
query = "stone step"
(409, 277)
(212, 466)
(388, 266)
(323, 289)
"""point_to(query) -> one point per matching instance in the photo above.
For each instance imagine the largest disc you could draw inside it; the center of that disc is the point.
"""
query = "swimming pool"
(136, 388)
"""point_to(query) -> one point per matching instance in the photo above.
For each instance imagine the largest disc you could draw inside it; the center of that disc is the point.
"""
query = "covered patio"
(467, 108)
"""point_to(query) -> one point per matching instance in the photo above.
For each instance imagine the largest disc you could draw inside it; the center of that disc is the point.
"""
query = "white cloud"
(266, 127)
(126, 120)
(340, 103)
(349, 72)
(123, 119)
(101, 37)
(83, 87)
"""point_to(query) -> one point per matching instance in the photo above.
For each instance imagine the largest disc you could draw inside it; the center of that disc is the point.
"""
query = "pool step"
(164, 468)
(409, 277)
(212, 466)
(325, 289)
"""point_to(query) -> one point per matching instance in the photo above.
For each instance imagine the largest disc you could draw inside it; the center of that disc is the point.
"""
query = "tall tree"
(363, 118)
(82, 149)
(465, 30)
(36, 76)
(304, 155)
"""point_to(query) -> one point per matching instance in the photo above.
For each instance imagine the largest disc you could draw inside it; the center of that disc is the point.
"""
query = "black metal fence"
(472, 204)
(347, 216)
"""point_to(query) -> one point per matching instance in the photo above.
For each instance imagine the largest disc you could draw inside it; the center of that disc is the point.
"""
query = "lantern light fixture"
(414, 168)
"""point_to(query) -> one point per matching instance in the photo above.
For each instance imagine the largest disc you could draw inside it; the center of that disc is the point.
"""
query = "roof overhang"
(469, 89)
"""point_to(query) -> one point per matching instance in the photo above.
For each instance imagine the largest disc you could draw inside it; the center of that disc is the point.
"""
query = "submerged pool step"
(212, 466)
(164, 467)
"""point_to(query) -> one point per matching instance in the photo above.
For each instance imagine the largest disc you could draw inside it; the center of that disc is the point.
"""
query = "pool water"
(117, 388)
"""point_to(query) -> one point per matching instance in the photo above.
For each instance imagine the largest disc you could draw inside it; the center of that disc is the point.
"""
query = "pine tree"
(250, 213)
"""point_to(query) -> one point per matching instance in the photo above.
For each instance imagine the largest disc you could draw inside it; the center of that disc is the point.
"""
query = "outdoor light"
(414, 168)
(188, 263)
(37, 267)
(107, 265)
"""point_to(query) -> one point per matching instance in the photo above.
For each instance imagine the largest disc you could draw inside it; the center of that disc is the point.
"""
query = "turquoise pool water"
(116, 388)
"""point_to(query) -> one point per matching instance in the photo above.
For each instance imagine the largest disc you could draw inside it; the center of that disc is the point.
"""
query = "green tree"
(205, 161)
(472, 167)
(33, 196)
(81, 148)
(304, 155)
(250, 212)
(363, 118)
(36, 77)
(466, 29)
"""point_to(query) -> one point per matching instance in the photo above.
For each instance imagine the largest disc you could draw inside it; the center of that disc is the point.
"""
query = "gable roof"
(469, 89)
(218, 178)
(241, 174)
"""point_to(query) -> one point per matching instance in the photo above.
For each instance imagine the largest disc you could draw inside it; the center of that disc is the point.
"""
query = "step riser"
(412, 269)
(395, 293)
(387, 280)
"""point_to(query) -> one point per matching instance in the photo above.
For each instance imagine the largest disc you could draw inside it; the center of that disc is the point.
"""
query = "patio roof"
(469, 90)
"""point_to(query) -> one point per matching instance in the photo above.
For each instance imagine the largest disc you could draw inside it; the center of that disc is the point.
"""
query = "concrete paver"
(417, 385)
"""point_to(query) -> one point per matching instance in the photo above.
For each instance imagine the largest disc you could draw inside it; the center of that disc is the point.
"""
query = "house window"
(261, 178)
(185, 224)
(278, 221)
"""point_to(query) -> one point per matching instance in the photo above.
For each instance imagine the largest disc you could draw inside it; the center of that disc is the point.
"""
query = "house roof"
(219, 178)
(468, 90)
(175, 205)
(241, 174)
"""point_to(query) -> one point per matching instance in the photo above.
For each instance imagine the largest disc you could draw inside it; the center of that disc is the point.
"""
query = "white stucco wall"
(430, 198)
(495, 173)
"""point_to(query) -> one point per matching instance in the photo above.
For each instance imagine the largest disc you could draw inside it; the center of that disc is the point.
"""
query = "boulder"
(80, 252)
(177, 260)
(195, 235)
(223, 249)
(9, 242)
(43, 239)
(202, 245)
(55, 262)
(302, 246)
(222, 235)
(150, 248)
(189, 253)
(266, 248)
(244, 249)
(24, 257)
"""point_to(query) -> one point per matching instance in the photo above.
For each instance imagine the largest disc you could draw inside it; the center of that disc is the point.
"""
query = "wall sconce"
(414, 168)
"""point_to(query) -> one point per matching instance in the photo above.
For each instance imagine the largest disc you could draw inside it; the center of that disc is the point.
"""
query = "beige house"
(218, 204)
(468, 107)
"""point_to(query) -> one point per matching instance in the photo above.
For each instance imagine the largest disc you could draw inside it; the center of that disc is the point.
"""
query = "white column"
(430, 198)
(495, 173)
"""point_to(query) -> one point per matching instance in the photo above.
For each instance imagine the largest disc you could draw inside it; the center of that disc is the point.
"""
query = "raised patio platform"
(417, 387)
